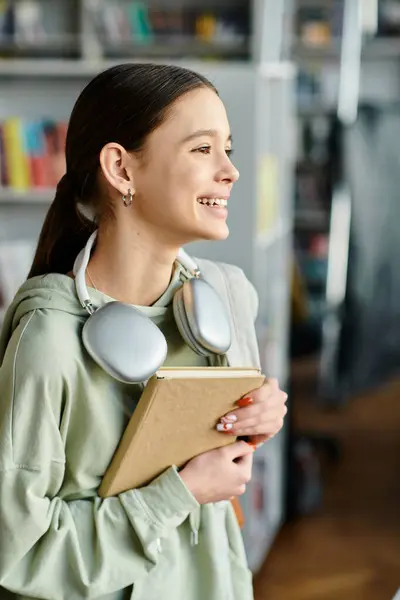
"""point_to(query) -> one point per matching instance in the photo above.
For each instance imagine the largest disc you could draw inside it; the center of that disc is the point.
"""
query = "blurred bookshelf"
(49, 28)
(96, 30)
(373, 49)
(319, 23)
(49, 49)
(10, 196)
(316, 50)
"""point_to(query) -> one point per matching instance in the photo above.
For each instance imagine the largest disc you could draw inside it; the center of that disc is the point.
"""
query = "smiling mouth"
(214, 202)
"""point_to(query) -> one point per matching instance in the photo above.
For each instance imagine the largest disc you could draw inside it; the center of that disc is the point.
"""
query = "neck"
(129, 266)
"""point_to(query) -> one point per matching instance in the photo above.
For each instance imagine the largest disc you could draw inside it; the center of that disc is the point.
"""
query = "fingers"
(246, 464)
(274, 383)
(241, 490)
(262, 415)
(256, 419)
(268, 428)
(249, 406)
(270, 387)
(258, 440)
(239, 449)
(255, 407)
(262, 419)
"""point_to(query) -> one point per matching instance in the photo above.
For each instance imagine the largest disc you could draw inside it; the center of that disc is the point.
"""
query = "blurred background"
(312, 90)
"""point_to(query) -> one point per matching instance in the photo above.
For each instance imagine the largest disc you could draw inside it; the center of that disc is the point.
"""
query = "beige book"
(175, 421)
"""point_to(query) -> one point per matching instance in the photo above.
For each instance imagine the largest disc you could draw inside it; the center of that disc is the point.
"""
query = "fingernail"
(224, 426)
(229, 419)
(245, 402)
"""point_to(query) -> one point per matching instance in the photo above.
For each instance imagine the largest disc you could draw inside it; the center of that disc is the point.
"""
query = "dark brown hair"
(124, 104)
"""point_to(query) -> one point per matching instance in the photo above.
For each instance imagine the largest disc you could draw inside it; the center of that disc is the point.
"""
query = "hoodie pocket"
(160, 583)
(241, 576)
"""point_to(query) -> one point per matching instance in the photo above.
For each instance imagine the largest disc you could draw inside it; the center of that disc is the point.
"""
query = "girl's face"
(182, 184)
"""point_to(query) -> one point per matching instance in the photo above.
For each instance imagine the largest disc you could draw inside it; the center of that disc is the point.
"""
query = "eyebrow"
(204, 132)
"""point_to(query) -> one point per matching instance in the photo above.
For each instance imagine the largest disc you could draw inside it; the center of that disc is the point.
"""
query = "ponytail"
(64, 233)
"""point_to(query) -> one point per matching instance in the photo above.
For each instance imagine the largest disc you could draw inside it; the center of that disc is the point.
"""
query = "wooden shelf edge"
(11, 196)
(79, 68)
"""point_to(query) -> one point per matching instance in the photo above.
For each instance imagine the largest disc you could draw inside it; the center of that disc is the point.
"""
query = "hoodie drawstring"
(194, 519)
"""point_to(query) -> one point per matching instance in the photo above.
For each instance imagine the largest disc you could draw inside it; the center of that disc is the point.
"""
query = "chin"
(203, 232)
(215, 234)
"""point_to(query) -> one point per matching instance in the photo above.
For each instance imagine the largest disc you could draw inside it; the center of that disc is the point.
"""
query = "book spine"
(3, 172)
(27, 128)
(16, 158)
(39, 159)
(107, 485)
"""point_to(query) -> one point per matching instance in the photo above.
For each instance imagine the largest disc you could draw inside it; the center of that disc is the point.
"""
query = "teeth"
(213, 201)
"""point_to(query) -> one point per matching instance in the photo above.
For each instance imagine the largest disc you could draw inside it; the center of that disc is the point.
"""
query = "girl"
(147, 165)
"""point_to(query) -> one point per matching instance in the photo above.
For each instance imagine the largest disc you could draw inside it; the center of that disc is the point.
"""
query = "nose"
(235, 173)
(229, 173)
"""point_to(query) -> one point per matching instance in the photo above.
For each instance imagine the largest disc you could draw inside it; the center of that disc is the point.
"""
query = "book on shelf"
(136, 23)
(32, 153)
(21, 22)
(175, 420)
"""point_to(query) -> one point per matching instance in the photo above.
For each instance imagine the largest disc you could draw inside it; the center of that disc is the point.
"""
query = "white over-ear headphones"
(129, 346)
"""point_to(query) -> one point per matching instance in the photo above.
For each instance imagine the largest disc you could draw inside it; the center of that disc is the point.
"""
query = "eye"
(207, 150)
(203, 149)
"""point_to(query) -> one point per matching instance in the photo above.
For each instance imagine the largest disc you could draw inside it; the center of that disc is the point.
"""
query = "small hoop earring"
(127, 198)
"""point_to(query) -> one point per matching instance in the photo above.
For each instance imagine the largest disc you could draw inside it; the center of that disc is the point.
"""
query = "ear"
(117, 166)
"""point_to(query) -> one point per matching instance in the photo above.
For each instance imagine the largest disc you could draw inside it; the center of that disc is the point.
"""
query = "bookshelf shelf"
(51, 68)
(64, 45)
(379, 48)
(182, 46)
(11, 196)
(26, 69)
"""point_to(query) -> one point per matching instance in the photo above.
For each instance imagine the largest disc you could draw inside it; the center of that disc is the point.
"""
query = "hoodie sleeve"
(84, 548)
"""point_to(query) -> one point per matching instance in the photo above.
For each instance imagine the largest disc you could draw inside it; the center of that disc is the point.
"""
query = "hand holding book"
(219, 474)
(260, 414)
(175, 424)
(175, 421)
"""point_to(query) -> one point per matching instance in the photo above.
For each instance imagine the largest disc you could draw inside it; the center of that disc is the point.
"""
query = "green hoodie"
(61, 418)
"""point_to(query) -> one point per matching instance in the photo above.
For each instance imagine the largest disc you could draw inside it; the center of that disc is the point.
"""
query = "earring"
(127, 198)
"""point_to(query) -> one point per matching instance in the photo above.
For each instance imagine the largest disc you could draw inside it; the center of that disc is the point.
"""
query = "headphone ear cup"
(182, 323)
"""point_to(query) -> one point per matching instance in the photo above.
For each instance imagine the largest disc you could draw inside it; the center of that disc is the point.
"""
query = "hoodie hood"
(53, 291)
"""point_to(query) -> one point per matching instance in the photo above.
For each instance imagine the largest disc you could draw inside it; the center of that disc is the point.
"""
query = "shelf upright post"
(340, 220)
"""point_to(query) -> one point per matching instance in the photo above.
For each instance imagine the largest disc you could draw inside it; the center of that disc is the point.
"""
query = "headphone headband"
(111, 333)
(82, 260)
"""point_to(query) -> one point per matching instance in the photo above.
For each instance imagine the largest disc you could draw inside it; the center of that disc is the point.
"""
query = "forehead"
(199, 109)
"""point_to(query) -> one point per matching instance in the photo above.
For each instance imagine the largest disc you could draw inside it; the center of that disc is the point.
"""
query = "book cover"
(175, 421)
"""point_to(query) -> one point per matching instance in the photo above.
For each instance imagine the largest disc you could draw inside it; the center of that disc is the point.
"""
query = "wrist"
(189, 479)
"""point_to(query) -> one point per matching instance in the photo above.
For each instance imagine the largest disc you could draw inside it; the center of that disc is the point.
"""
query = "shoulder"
(44, 343)
(36, 381)
(40, 368)
(231, 277)
(205, 264)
